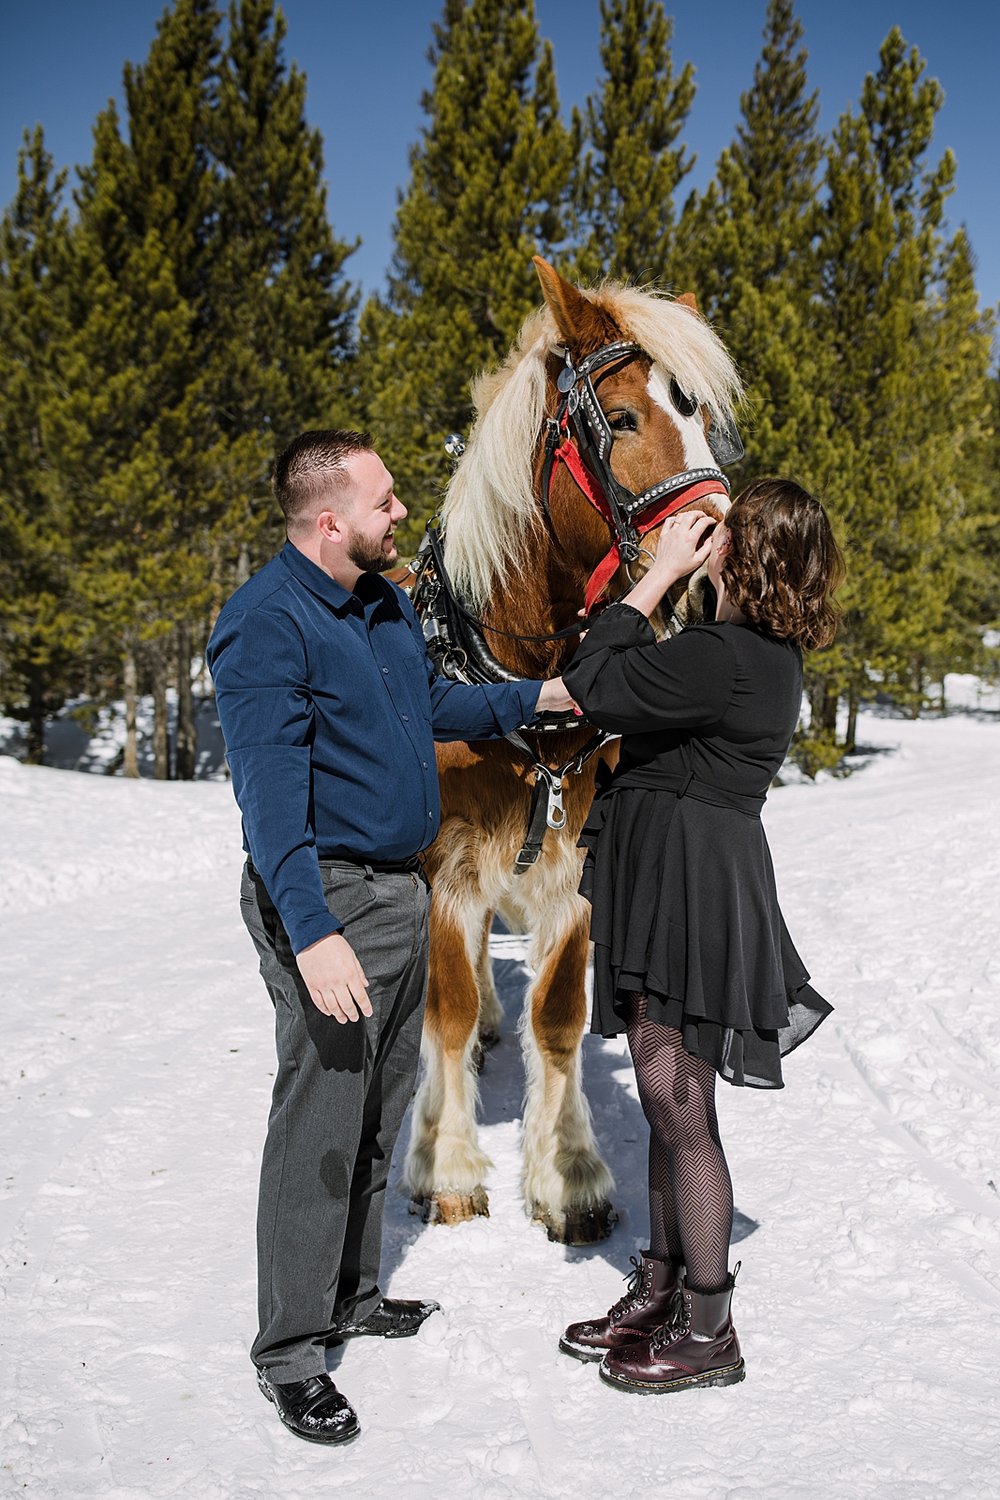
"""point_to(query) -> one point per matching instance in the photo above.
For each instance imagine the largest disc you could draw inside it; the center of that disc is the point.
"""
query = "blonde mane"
(491, 509)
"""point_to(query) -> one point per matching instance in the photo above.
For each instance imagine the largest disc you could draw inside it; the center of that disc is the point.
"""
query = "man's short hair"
(311, 467)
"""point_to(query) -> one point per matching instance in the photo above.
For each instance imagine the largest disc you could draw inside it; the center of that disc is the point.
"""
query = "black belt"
(688, 786)
(409, 866)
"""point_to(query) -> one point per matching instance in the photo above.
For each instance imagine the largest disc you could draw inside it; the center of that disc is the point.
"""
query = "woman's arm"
(626, 681)
(683, 546)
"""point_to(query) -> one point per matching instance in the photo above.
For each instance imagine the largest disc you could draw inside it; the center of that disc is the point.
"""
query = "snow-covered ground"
(134, 1080)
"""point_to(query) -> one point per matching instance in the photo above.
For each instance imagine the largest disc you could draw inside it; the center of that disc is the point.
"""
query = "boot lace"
(639, 1280)
(675, 1324)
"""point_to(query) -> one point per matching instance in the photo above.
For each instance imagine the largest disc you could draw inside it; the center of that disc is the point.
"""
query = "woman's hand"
(684, 543)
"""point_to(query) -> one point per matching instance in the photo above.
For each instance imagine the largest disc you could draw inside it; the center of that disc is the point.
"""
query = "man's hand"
(335, 980)
(554, 699)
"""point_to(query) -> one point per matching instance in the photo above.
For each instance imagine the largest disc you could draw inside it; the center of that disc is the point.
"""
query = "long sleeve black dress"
(678, 870)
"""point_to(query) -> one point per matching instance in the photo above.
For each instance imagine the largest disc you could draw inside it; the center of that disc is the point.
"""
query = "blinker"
(725, 442)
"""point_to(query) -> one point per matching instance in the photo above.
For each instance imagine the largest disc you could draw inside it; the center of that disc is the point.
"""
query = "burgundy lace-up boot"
(646, 1305)
(699, 1347)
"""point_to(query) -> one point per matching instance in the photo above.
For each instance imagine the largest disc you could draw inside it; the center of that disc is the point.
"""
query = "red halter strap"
(568, 454)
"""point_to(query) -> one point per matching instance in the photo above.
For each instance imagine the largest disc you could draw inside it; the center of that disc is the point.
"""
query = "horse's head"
(601, 422)
(642, 393)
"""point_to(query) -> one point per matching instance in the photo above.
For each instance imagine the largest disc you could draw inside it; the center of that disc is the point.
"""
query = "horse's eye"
(685, 404)
(623, 421)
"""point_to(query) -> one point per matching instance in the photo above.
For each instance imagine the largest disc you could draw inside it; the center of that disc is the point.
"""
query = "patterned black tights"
(690, 1190)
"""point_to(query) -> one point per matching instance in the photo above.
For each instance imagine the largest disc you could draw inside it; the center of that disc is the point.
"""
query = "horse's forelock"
(491, 509)
(679, 340)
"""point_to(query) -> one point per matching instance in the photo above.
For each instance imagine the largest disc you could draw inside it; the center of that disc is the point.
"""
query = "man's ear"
(329, 525)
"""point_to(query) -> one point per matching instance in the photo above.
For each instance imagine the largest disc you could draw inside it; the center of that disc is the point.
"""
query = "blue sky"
(60, 61)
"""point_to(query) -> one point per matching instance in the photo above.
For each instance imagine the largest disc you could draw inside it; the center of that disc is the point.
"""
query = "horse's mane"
(491, 509)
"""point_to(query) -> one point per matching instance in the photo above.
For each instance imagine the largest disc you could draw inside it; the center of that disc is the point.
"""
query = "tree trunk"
(918, 688)
(851, 738)
(817, 693)
(185, 752)
(36, 720)
(823, 702)
(130, 758)
(161, 741)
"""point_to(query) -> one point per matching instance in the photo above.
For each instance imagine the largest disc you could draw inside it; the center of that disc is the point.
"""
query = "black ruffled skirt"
(685, 910)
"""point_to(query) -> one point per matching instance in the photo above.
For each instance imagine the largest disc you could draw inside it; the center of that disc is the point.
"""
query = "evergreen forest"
(181, 309)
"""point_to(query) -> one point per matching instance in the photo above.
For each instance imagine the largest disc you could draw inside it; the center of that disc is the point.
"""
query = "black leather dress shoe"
(391, 1319)
(313, 1409)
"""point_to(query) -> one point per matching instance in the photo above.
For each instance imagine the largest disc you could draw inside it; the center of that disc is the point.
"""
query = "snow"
(134, 1086)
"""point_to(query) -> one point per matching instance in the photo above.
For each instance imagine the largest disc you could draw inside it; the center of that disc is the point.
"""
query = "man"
(329, 707)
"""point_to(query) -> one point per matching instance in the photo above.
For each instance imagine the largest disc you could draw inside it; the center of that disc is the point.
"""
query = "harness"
(580, 437)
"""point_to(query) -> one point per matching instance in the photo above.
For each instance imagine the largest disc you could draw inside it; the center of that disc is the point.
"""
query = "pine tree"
(746, 246)
(909, 396)
(487, 179)
(629, 164)
(960, 464)
(281, 311)
(38, 636)
(135, 417)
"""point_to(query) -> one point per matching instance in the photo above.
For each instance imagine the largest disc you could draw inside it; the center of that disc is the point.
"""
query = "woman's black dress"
(678, 870)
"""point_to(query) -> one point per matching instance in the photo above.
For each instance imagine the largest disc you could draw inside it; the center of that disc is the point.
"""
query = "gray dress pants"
(340, 1094)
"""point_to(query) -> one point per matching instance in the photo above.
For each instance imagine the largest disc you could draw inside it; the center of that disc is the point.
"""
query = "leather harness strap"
(567, 453)
(549, 813)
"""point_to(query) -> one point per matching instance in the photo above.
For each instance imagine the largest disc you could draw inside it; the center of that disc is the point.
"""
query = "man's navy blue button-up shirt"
(330, 706)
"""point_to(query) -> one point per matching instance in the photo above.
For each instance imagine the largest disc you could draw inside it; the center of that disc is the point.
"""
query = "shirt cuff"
(302, 934)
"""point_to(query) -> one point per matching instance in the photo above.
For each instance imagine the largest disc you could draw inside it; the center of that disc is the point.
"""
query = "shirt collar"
(316, 581)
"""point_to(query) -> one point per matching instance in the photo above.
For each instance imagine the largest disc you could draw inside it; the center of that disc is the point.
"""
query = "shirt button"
(386, 671)
(406, 718)
(430, 815)
(424, 764)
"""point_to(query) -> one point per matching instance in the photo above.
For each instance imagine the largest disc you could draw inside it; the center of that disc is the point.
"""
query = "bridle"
(580, 437)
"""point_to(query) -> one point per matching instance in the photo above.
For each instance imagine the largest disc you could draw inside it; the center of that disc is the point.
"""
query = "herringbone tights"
(690, 1190)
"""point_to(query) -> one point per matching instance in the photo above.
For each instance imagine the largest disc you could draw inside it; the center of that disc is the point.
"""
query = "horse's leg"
(567, 1185)
(490, 1009)
(445, 1167)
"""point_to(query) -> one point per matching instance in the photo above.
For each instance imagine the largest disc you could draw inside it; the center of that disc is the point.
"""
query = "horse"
(606, 416)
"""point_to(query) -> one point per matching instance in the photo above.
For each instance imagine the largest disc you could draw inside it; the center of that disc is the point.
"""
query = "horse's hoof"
(488, 1039)
(577, 1226)
(452, 1208)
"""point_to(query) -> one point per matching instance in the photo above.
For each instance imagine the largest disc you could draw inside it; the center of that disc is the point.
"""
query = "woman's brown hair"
(784, 563)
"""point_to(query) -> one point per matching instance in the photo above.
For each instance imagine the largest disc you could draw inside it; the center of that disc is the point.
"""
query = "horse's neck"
(541, 599)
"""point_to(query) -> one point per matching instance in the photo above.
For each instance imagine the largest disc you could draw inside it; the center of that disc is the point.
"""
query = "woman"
(691, 955)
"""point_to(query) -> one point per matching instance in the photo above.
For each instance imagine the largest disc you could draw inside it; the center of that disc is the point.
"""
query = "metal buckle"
(555, 812)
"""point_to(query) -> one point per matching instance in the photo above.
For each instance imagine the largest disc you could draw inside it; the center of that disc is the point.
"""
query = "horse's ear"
(688, 299)
(574, 313)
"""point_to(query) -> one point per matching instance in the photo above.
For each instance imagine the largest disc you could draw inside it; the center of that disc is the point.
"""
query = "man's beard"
(369, 556)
